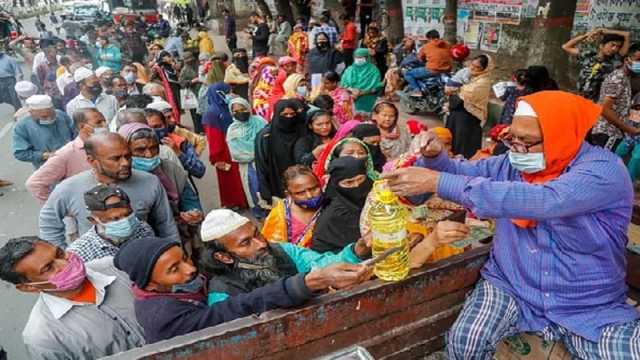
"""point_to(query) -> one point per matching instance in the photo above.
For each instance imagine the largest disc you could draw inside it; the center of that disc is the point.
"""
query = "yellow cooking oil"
(388, 227)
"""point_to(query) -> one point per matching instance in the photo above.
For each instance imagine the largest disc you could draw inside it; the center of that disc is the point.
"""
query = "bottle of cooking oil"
(388, 226)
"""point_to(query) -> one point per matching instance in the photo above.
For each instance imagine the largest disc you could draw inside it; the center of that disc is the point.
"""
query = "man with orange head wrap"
(562, 208)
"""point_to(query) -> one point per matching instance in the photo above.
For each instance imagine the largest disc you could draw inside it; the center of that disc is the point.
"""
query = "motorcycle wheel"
(406, 105)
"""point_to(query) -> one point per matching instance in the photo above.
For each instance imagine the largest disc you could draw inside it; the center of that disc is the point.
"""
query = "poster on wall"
(490, 34)
(421, 16)
(471, 36)
(621, 14)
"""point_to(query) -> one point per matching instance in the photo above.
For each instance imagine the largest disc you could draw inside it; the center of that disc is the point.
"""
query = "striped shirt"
(569, 269)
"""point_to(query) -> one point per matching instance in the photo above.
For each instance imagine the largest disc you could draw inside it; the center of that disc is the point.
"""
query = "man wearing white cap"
(91, 95)
(104, 75)
(24, 90)
(44, 131)
(238, 259)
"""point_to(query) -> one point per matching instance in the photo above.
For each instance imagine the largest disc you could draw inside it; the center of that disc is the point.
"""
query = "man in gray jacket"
(84, 311)
(110, 159)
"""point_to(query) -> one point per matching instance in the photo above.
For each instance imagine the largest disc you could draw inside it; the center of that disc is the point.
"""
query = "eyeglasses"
(518, 146)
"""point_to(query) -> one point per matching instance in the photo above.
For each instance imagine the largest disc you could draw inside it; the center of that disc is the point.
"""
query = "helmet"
(459, 52)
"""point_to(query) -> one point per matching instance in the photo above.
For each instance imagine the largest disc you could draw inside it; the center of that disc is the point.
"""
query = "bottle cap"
(383, 193)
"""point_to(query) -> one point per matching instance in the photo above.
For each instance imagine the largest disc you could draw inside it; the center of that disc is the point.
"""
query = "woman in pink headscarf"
(345, 131)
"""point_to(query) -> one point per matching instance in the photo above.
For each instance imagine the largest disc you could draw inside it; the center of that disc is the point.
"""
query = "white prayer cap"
(219, 223)
(101, 70)
(159, 105)
(82, 73)
(39, 102)
(25, 89)
(524, 109)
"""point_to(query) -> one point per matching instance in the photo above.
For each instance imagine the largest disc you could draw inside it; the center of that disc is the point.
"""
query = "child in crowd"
(395, 139)
(631, 144)
(511, 93)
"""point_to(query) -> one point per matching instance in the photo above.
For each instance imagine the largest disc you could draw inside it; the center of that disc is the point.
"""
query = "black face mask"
(377, 155)
(323, 45)
(242, 116)
(242, 63)
(95, 90)
(357, 195)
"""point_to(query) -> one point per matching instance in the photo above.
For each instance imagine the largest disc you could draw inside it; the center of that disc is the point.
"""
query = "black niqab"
(339, 222)
(274, 147)
(366, 130)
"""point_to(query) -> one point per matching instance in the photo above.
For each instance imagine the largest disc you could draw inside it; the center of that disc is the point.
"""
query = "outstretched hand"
(337, 276)
(412, 181)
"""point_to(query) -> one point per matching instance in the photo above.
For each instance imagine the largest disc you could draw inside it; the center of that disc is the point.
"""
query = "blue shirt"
(9, 67)
(32, 139)
(569, 269)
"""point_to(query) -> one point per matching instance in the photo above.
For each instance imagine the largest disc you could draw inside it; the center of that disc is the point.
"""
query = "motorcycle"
(432, 99)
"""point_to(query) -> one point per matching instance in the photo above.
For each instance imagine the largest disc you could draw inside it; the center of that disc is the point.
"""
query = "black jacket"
(165, 317)
(261, 40)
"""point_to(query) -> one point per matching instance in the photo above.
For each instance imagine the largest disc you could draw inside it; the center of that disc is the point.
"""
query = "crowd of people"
(298, 130)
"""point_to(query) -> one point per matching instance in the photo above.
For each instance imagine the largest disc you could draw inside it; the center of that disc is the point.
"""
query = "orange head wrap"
(564, 120)
(443, 134)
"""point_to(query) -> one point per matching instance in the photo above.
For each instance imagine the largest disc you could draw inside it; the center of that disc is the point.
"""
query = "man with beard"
(110, 160)
(170, 294)
(91, 95)
(238, 259)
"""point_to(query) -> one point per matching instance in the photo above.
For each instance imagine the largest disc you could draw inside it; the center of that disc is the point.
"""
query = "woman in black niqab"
(338, 224)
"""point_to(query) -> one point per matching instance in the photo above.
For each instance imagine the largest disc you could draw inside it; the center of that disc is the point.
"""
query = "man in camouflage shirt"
(615, 98)
(595, 64)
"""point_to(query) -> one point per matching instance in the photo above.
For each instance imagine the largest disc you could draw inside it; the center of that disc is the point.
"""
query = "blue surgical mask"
(145, 164)
(49, 121)
(192, 287)
(313, 203)
(301, 91)
(528, 163)
(635, 67)
(120, 230)
(130, 78)
(161, 133)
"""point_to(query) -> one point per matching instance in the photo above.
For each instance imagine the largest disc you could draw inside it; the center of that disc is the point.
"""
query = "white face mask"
(359, 61)
(100, 130)
(301, 91)
(47, 121)
(528, 163)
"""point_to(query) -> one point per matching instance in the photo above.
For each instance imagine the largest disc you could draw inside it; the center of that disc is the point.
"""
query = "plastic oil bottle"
(388, 226)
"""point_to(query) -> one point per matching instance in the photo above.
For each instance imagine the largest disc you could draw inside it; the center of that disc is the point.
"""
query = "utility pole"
(395, 31)
(450, 21)
(552, 28)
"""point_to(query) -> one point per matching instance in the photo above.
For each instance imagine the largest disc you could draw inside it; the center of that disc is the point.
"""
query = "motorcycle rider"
(435, 52)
